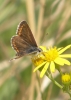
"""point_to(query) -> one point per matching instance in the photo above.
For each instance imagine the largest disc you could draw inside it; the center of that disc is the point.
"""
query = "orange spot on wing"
(20, 29)
(14, 45)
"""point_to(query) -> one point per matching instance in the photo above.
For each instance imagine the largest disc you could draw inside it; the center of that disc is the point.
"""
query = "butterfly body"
(24, 42)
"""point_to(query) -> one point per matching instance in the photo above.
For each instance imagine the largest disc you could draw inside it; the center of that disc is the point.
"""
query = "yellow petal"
(65, 55)
(59, 61)
(62, 61)
(44, 70)
(52, 67)
(59, 49)
(66, 61)
(62, 50)
(43, 48)
(39, 66)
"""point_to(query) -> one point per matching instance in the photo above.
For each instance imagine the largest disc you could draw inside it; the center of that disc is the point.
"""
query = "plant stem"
(55, 82)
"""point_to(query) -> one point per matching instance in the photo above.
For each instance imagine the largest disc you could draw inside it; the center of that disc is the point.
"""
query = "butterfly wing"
(25, 33)
(24, 42)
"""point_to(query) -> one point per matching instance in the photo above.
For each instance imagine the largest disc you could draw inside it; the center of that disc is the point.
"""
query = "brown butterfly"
(24, 42)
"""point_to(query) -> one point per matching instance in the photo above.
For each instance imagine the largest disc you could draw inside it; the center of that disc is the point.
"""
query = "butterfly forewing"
(25, 33)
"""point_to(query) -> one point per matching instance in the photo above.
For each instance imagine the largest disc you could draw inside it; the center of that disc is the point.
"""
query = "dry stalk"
(4, 4)
(65, 36)
(49, 93)
(66, 16)
(38, 91)
(9, 73)
(31, 19)
(7, 26)
(53, 16)
(31, 15)
(40, 21)
(4, 49)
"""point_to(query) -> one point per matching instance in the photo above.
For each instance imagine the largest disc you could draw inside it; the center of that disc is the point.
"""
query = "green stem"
(55, 82)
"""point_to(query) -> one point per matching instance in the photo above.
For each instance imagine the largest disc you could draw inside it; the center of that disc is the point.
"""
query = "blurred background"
(50, 23)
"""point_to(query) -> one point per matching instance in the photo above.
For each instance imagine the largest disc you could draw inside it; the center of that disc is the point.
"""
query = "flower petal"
(52, 67)
(44, 69)
(62, 50)
(39, 66)
(43, 48)
(62, 61)
(59, 49)
(59, 61)
(66, 61)
(65, 55)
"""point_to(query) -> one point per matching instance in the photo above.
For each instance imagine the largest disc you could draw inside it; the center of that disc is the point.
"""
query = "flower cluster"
(48, 58)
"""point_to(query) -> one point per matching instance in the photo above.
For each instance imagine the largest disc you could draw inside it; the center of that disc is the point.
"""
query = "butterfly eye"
(39, 49)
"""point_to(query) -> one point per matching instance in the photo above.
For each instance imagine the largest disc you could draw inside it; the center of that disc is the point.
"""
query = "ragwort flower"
(48, 57)
(66, 79)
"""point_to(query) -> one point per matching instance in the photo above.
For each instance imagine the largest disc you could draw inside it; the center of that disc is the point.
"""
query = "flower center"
(38, 59)
(51, 54)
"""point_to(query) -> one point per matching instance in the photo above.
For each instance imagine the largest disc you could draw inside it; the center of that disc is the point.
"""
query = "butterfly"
(23, 42)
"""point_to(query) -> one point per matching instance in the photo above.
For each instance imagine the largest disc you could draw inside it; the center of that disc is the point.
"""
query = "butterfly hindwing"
(19, 45)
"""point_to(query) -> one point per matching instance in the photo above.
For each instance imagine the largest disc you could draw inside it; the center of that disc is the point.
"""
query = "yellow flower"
(48, 57)
(66, 78)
